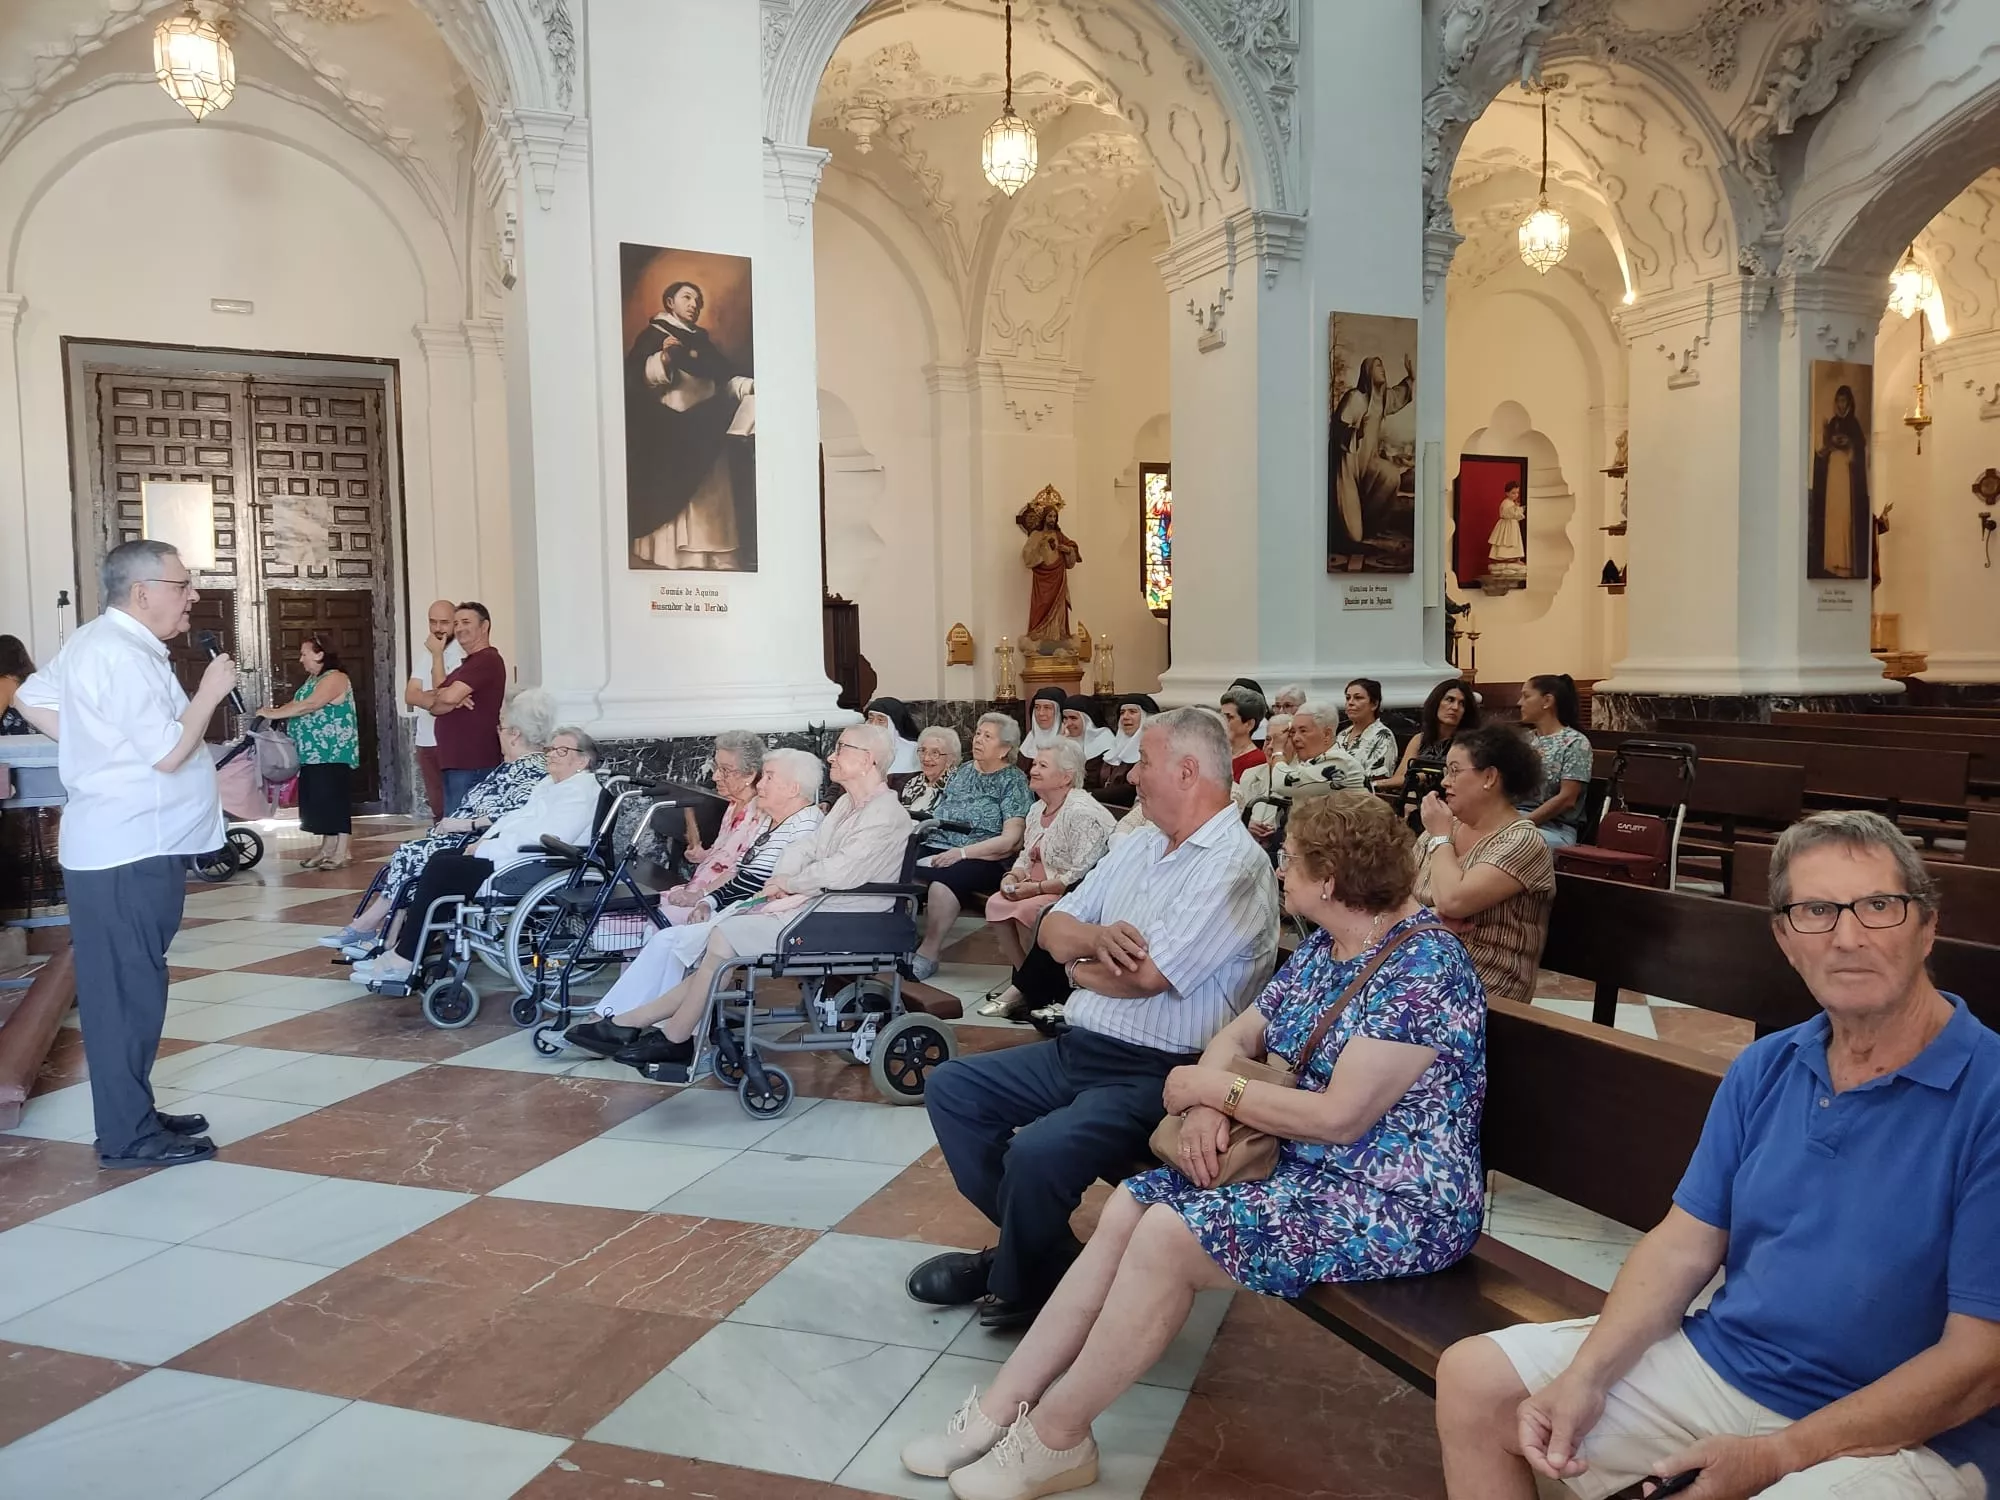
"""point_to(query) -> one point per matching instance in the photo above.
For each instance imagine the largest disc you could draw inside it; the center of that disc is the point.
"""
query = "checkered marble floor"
(432, 1264)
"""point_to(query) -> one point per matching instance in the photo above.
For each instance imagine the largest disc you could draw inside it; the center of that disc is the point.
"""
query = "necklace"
(1367, 942)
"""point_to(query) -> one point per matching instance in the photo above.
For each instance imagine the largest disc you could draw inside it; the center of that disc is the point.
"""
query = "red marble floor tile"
(176, 973)
(922, 1204)
(313, 962)
(667, 1263)
(827, 1075)
(504, 1101)
(39, 1177)
(37, 1386)
(188, 923)
(550, 1365)
(66, 1063)
(976, 1039)
(599, 1471)
(464, 1155)
(377, 1026)
(517, 1246)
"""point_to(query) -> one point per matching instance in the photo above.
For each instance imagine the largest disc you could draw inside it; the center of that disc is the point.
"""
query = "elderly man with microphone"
(142, 798)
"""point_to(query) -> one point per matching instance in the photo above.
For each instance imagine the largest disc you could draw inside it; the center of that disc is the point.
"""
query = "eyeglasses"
(555, 750)
(1284, 859)
(1451, 770)
(172, 583)
(1816, 918)
(847, 745)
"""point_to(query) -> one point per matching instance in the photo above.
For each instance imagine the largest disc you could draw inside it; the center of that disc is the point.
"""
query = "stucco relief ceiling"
(1961, 247)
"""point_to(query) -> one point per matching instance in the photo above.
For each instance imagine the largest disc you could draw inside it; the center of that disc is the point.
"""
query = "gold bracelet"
(1235, 1097)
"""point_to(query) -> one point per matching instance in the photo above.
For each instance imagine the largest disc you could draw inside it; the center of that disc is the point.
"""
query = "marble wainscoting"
(1639, 711)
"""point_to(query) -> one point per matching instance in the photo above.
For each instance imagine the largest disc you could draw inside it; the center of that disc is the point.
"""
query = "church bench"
(1982, 838)
(1730, 798)
(1645, 1102)
(1883, 778)
(1982, 744)
(1970, 894)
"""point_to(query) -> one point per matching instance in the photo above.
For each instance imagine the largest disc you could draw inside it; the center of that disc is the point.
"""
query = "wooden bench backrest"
(1865, 773)
(1860, 729)
(1982, 839)
(1757, 791)
(1600, 1117)
(1970, 894)
(1939, 723)
(1942, 710)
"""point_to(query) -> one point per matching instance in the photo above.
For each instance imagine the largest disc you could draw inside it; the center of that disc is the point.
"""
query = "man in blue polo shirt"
(1848, 1185)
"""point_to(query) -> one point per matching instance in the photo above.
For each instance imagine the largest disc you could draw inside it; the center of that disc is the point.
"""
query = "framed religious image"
(1840, 527)
(690, 411)
(1371, 513)
(1489, 522)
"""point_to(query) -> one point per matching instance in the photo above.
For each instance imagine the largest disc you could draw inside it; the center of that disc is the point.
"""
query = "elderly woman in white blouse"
(938, 755)
(1067, 832)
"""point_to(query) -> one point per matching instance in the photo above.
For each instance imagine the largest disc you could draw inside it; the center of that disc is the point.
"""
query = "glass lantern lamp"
(194, 63)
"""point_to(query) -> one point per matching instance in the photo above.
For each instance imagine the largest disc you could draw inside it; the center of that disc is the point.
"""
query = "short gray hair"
(748, 749)
(129, 563)
(1249, 704)
(1007, 729)
(531, 713)
(1858, 832)
(880, 740)
(1197, 734)
(801, 768)
(945, 735)
(585, 745)
(1326, 718)
(1067, 753)
(1291, 690)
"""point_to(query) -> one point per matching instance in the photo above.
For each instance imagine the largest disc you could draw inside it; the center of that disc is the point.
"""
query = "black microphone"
(212, 644)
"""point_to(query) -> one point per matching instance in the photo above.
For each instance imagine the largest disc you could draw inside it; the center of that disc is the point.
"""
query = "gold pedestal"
(1058, 668)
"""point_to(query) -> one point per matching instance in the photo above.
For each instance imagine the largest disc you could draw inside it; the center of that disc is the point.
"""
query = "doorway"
(305, 522)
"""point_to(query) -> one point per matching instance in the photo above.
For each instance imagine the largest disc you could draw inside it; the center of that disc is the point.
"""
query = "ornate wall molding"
(1440, 245)
(559, 35)
(12, 306)
(1481, 47)
(540, 143)
(1826, 301)
(1270, 239)
(792, 176)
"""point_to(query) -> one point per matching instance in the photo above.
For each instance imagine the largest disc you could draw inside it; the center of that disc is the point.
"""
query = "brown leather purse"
(1252, 1155)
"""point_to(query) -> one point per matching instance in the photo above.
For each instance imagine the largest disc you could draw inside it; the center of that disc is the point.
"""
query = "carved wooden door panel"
(215, 610)
(345, 619)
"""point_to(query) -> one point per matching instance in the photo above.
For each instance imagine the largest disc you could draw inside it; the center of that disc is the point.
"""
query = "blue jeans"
(457, 784)
(1556, 835)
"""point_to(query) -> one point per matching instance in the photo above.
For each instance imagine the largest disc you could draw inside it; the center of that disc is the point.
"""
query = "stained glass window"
(1156, 537)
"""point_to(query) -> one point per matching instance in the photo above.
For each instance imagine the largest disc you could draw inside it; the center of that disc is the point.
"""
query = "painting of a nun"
(1839, 524)
(1371, 444)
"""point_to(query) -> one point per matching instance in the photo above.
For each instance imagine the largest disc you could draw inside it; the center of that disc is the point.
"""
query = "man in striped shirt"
(1165, 941)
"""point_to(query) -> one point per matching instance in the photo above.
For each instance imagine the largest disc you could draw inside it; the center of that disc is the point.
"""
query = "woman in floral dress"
(1378, 1172)
(329, 743)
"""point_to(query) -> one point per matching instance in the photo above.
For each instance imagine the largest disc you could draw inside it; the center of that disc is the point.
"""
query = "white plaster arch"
(864, 205)
(81, 129)
(1551, 511)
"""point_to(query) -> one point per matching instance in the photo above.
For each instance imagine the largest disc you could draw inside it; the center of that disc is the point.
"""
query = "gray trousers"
(120, 923)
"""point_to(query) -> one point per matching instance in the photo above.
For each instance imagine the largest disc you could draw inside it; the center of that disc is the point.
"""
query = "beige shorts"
(1672, 1399)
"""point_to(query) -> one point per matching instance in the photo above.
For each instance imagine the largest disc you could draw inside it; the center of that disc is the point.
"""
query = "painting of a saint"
(1371, 444)
(1839, 522)
(690, 411)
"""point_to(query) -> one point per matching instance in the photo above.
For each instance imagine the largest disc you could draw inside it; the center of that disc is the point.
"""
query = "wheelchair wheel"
(542, 924)
(215, 866)
(548, 1040)
(249, 847)
(525, 1010)
(770, 1101)
(907, 1051)
(451, 1003)
(728, 1070)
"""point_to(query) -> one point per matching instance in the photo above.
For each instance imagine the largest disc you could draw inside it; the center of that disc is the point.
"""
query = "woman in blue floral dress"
(1378, 1170)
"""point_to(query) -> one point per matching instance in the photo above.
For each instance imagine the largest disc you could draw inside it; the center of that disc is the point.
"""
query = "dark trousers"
(433, 778)
(1027, 1130)
(444, 875)
(458, 783)
(121, 921)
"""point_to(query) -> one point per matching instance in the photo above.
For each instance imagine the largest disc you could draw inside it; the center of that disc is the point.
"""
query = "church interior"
(757, 371)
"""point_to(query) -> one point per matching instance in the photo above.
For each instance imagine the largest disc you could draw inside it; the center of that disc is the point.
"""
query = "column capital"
(486, 337)
(792, 176)
(12, 305)
(442, 340)
(540, 142)
(1440, 246)
(1834, 306)
(1270, 238)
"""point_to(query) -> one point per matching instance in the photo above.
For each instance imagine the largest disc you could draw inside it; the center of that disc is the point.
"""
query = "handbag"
(1252, 1155)
(277, 756)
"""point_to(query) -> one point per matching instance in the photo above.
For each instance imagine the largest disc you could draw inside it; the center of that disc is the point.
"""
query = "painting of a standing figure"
(690, 411)
(1371, 444)
(1839, 524)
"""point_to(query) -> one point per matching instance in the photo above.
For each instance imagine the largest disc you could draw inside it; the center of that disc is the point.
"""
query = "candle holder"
(1005, 689)
(1103, 677)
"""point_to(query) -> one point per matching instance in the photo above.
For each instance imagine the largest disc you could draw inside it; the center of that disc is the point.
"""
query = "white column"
(17, 600)
(444, 551)
(1963, 641)
(960, 576)
(489, 480)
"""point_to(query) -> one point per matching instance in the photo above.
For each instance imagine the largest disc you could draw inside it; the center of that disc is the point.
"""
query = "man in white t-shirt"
(437, 656)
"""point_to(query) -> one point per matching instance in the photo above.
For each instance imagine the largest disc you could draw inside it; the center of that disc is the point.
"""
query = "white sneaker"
(347, 937)
(1022, 1467)
(967, 1436)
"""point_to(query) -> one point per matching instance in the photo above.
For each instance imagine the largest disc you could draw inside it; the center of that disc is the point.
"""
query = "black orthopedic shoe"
(653, 1047)
(182, 1124)
(604, 1037)
(160, 1151)
(1003, 1317)
(952, 1279)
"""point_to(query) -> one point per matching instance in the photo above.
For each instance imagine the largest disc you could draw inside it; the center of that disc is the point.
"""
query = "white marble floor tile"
(854, 1131)
(233, 1118)
(297, 992)
(184, 1203)
(162, 1306)
(365, 1450)
(761, 1187)
(40, 1262)
(705, 1117)
(168, 1069)
(967, 982)
(334, 1222)
(517, 1054)
(219, 1022)
(224, 955)
(222, 985)
(219, 1072)
(852, 1287)
(1130, 1436)
(768, 1398)
(616, 1174)
(1175, 1369)
(169, 1435)
(316, 1080)
(291, 936)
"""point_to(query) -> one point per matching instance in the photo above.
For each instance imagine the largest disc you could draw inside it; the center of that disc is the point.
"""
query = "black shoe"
(602, 1037)
(161, 1151)
(654, 1047)
(182, 1124)
(952, 1279)
(1003, 1317)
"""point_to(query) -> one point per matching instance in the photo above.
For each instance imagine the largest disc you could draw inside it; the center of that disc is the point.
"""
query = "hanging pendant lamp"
(1545, 232)
(1007, 151)
(194, 63)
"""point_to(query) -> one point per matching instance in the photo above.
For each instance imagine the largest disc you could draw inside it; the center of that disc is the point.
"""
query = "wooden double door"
(305, 537)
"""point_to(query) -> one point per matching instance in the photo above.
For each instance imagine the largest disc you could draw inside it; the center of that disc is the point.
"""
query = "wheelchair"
(866, 1020)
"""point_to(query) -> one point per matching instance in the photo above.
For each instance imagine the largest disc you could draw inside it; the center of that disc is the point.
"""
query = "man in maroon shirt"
(466, 706)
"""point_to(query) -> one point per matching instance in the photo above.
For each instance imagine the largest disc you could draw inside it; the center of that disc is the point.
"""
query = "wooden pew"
(1969, 895)
(1731, 796)
(1851, 775)
(1982, 744)
(1645, 1101)
(1982, 838)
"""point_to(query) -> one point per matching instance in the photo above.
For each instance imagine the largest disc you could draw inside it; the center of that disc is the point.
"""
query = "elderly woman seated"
(562, 806)
(938, 755)
(891, 714)
(527, 722)
(1485, 868)
(861, 842)
(739, 758)
(1378, 1170)
(1068, 831)
(788, 810)
(981, 815)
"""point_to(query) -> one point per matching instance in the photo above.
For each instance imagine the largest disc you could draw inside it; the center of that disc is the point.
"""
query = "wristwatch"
(1235, 1096)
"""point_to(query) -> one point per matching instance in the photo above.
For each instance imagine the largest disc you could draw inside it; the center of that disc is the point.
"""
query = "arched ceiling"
(1961, 248)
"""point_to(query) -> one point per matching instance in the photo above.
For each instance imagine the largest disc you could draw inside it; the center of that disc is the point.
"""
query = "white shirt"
(427, 724)
(121, 709)
(565, 809)
(1209, 912)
